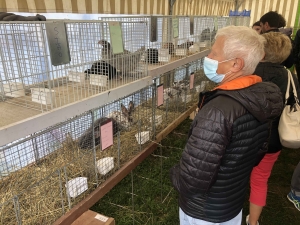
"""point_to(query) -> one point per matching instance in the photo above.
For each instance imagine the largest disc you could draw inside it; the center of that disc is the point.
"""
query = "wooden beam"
(112, 181)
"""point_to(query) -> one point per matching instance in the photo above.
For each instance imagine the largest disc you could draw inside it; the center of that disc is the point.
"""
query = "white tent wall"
(287, 8)
(203, 7)
(87, 6)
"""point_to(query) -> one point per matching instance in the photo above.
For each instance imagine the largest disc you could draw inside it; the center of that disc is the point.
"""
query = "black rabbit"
(102, 68)
(86, 140)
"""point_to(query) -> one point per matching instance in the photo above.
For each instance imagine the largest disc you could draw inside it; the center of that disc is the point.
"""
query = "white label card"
(101, 218)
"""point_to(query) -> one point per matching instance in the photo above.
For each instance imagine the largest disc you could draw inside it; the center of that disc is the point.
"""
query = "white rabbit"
(194, 48)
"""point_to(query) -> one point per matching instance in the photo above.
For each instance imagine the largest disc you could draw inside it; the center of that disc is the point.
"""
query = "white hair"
(243, 42)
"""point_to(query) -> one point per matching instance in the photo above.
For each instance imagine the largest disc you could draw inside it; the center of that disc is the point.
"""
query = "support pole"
(171, 6)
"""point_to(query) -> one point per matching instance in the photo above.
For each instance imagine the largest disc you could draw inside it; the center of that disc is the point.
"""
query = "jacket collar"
(238, 83)
(241, 82)
(273, 30)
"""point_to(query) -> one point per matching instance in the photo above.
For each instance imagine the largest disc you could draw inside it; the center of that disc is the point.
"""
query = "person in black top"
(296, 52)
(270, 22)
(277, 48)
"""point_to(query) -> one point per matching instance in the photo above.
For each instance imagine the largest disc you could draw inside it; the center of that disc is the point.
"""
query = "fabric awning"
(288, 8)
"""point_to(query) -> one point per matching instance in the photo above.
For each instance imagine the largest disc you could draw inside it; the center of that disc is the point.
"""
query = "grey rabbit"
(124, 62)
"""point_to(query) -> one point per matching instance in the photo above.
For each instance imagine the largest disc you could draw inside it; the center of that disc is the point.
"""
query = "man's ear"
(266, 24)
(238, 65)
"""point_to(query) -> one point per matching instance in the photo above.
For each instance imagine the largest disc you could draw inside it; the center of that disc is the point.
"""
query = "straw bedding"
(38, 193)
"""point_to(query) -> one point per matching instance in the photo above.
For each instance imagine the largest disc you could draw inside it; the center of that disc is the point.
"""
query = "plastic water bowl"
(105, 165)
(76, 186)
(142, 137)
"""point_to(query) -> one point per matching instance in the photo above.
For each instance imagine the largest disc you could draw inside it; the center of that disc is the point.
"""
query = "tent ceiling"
(287, 8)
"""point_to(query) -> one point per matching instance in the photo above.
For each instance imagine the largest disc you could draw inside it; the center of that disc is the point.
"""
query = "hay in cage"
(37, 193)
(40, 187)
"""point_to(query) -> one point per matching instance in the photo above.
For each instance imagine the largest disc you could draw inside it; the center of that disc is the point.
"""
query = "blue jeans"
(187, 220)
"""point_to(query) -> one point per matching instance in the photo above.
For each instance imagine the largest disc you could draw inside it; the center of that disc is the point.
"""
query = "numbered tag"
(58, 43)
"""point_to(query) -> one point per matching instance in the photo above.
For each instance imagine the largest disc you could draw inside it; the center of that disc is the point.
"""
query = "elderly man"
(229, 133)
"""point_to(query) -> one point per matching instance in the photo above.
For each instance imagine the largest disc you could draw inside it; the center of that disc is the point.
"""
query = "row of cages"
(45, 174)
(239, 20)
(48, 64)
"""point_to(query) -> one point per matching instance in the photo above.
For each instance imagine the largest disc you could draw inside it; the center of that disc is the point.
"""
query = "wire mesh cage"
(169, 38)
(179, 89)
(134, 202)
(239, 21)
(47, 173)
(207, 27)
(45, 65)
(74, 137)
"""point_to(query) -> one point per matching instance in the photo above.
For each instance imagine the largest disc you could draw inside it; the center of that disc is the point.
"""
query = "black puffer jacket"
(296, 49)
(278, 75)
(224, 141)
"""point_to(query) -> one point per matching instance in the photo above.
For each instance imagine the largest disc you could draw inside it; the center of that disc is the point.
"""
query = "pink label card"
(107, 135)
(160, 95)
(192, 76)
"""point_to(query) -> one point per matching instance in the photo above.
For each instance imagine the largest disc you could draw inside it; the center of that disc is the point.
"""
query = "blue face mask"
(210, 69)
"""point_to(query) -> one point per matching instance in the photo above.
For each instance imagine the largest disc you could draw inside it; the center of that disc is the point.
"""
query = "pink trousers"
(259, 179)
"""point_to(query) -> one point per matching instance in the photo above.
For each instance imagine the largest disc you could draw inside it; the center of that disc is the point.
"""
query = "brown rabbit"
(128, 113)
(123, 117)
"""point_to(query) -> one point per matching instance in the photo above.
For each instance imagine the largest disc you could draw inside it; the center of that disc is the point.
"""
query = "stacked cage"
(239, 18)
(133, 203)
(207, 28)
(47, 173)
(45, 65)
(239, 21)
(169, 38)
